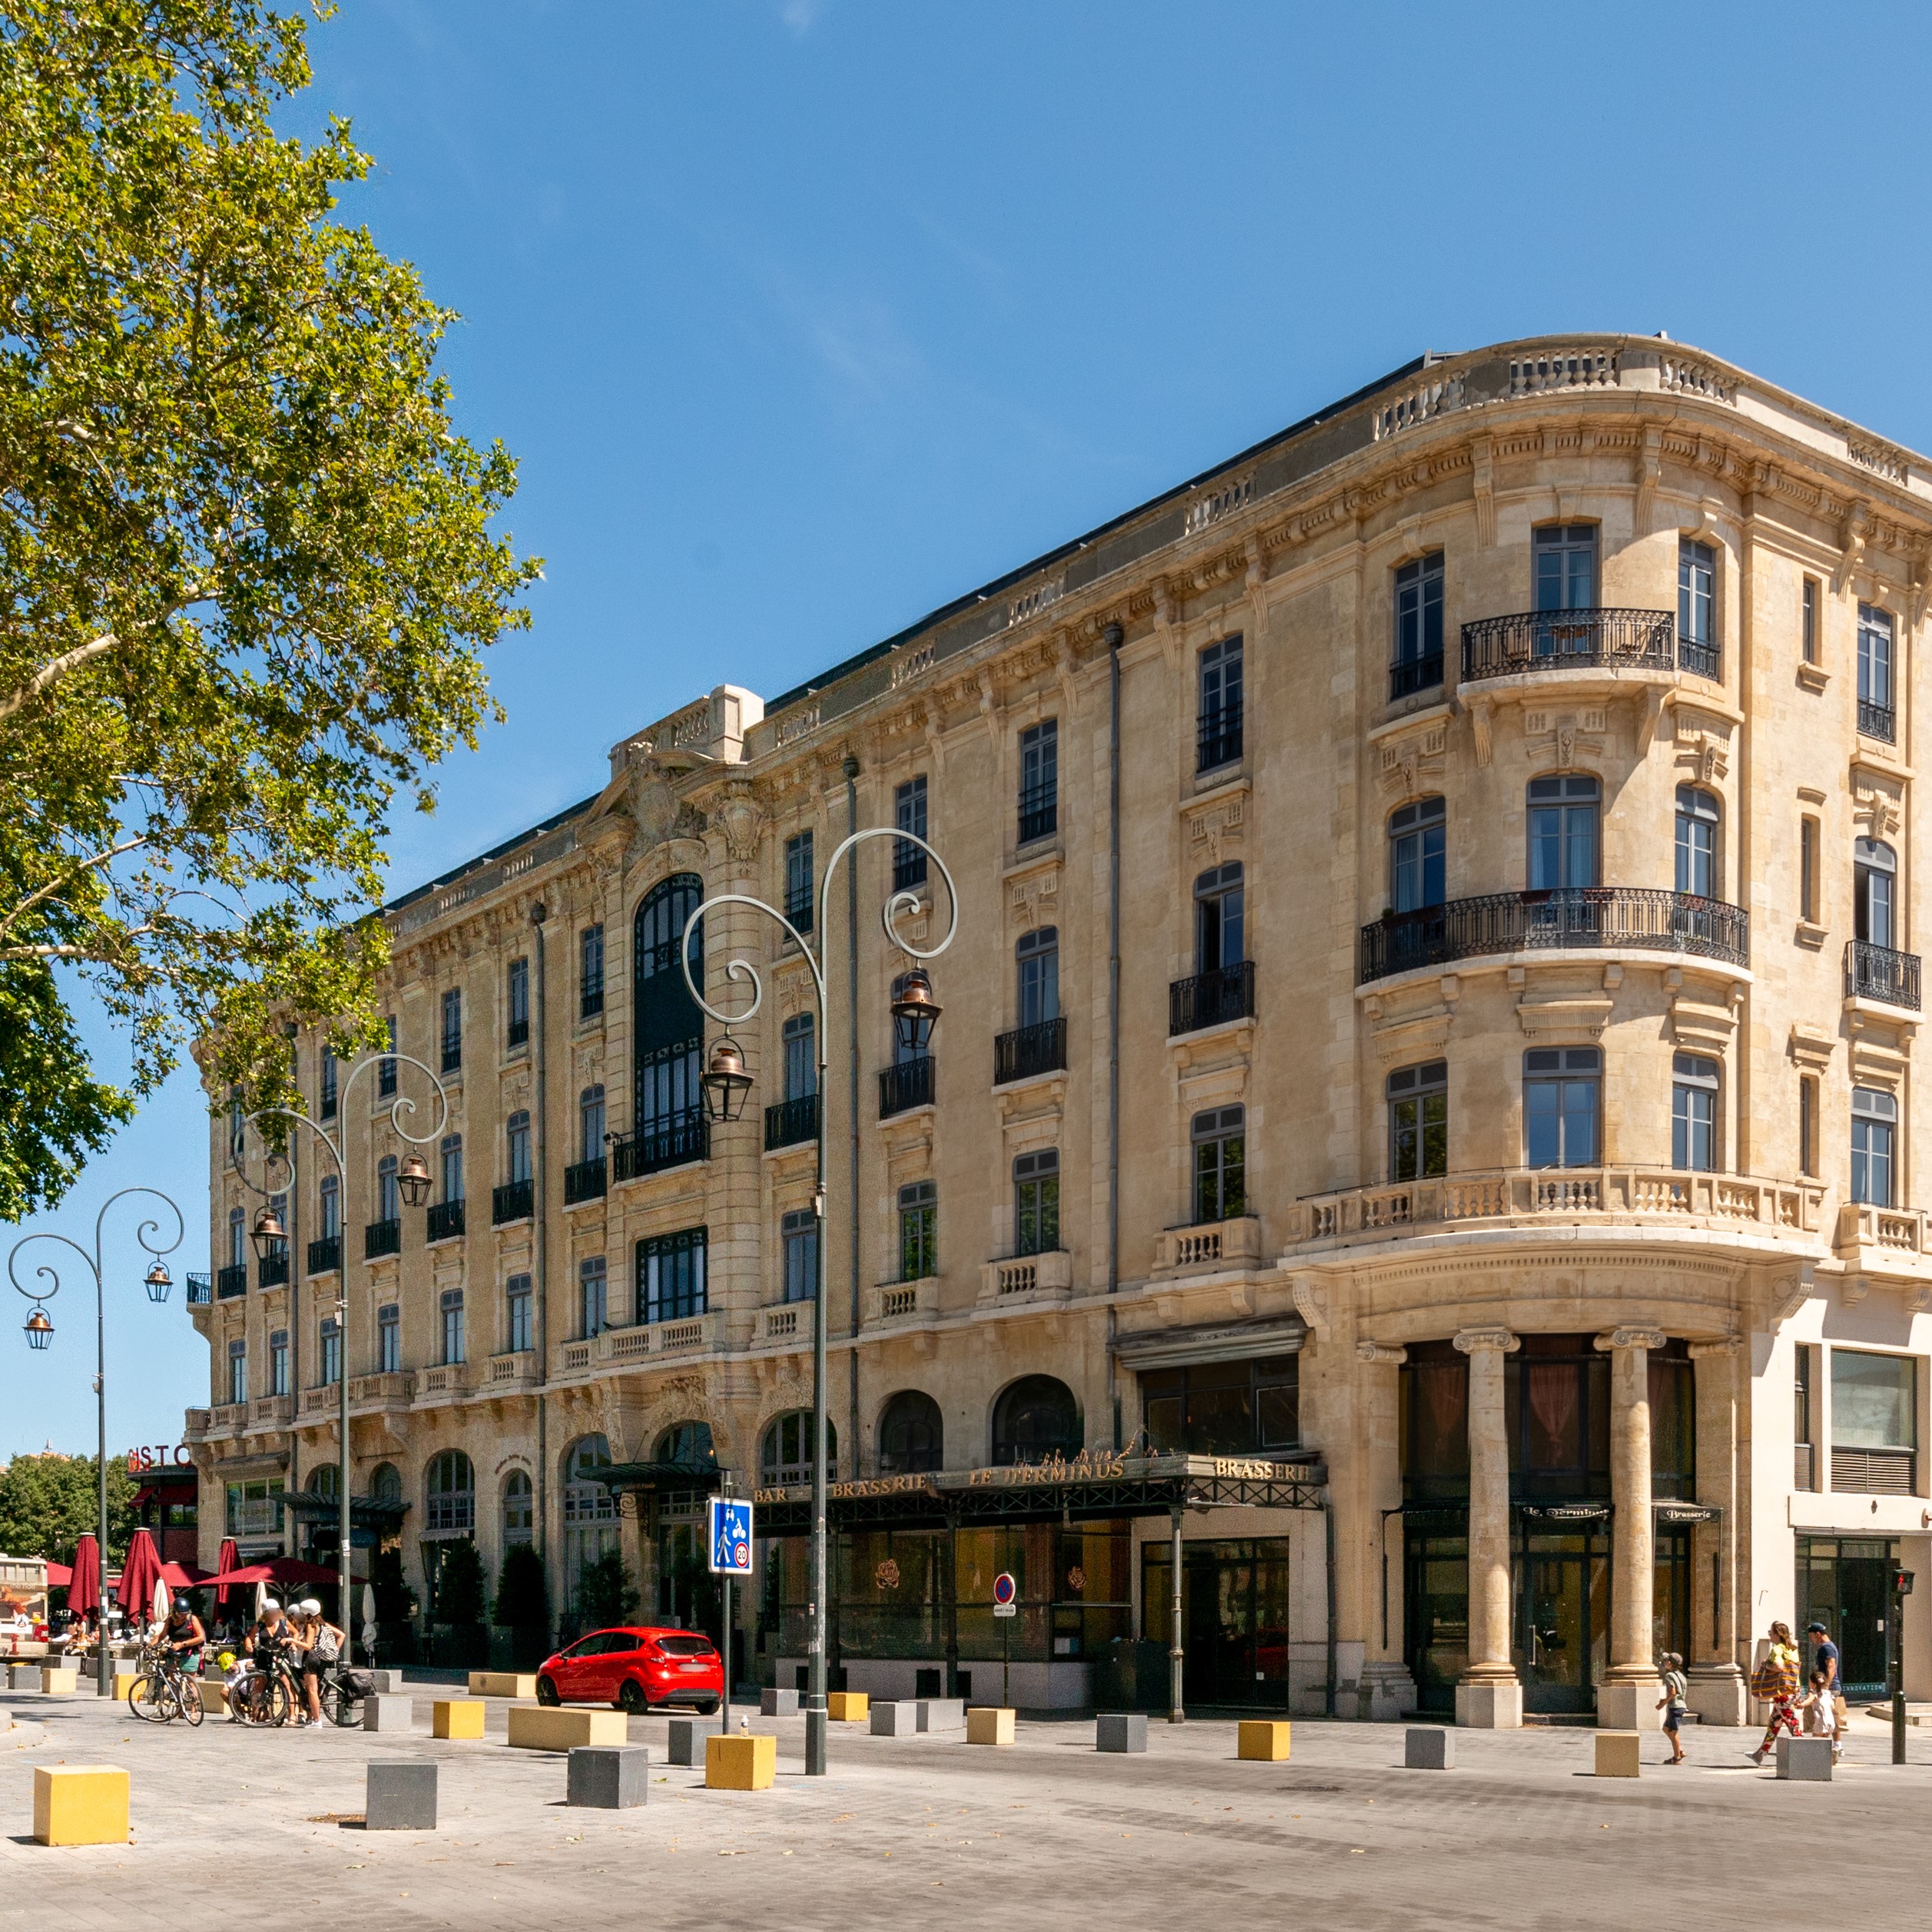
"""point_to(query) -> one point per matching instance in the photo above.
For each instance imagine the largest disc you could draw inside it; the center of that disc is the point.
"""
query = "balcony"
(1884, 1240)
(1028, 1051)
(324, 1256)
(908, 1085)
(616, 1347)
(446, 1378)
(1217, 739)
(1611, 917)
(517, 1371)
(394, 1389)
(515, 1201)
(227, 1418)
(324, 1399)
(445, 1221)
(1878, 721)
(196, 1425)
(272, 1270)
(1025, 1280)
(1211, 998)
(200, 1290)
(1407, 676)
(231, 1281)
(585, 1181)
(687, 1138)
(382, 1237)
(891, 1302)
(1636, 1196)
(789, 1122)
(1596, 640)
(271, 1412)
(1872, 1472)
(1208, 1246)
(1877, 972)
(791, 1323)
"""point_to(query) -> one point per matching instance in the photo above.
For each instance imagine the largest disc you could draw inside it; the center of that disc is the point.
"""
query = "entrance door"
(1563, 1620)
(1234, 1619)
(1843, 1583)
(1435, 1614)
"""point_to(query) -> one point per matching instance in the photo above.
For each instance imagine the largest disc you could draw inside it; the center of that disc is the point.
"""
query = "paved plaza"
(244, 1829)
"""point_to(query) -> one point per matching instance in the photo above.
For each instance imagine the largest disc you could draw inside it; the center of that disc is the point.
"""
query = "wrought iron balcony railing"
(585, 1181)
(200, 1290)
(231, 1281)
(686, 1137)
(382, 1237)
(325, 1255)
(515, 1201)
(1217, 738)
(910, 1084)
(272, 1270)
(1211, 998)
(1531, 640)
(1877, 972)
(1409, 675)
(1577, 916)
(1029, 1051)
(1876, 720)
(445, 1221)
(1039, 813)
(789, 1122)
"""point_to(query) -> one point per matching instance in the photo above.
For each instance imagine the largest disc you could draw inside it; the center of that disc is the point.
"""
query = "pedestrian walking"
(1824, 1657)
(1775, 1682)
(1820, 1711)
(1674, 1704)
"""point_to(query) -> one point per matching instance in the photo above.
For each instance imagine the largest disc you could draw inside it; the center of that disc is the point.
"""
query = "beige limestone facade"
(1433, 1009)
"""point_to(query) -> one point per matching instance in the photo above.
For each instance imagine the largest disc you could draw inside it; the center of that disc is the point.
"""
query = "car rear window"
(686, 1646)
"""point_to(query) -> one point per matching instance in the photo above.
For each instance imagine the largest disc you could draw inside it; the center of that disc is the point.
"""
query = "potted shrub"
(521, 1630)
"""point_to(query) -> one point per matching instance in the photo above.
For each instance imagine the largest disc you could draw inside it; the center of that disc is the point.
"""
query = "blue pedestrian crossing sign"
(730, 1537)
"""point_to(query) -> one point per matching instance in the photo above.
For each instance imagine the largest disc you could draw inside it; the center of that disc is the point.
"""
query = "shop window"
(1875, 1423)
(1246, 1408)
(1556, 1398)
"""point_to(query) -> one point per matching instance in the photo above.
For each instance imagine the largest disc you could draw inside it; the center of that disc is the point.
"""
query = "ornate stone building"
(1429, 1035)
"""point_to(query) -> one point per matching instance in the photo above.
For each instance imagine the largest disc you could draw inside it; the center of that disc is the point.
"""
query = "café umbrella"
(139, 1575)
(229, 1559)
(83, 1583)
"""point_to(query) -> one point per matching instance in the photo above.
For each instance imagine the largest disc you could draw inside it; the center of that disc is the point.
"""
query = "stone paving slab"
(1518, 1835)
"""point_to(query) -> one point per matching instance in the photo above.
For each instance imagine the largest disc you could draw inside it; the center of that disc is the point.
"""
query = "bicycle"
(266, 1695)
(340, 1699)
(163, 1690)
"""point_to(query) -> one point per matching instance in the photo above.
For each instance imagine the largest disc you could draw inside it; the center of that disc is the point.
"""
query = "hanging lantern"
(414, 1181)
(725, 1081)
(914, 1010)
(271, 1237)
(158, 1282)
(40, 1331)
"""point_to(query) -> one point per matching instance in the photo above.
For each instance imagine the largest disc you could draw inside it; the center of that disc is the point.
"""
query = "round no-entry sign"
(1003, 1588)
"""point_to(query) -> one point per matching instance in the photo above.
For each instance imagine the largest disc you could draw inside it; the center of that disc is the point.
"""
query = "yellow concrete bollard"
(502, 1683)
(537, 1727)
(1263, 1738)
(1616, 1753)
(80, 1804)
(849, 1707)
(747, 1762)
(986, 1724)
(455, 1717)
(58, 1680)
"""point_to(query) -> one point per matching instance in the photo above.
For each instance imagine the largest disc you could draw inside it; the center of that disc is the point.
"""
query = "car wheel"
(706, 1707)
(631, 1698)
(547, 1692)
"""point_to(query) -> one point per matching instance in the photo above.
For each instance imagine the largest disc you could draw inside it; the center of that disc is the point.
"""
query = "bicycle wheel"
(277, 1704)
(338, 1707)
(248, 1702)
(187, 1694)
(148, 1697)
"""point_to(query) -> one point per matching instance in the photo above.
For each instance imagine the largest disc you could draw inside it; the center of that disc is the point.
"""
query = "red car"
(636, 1670)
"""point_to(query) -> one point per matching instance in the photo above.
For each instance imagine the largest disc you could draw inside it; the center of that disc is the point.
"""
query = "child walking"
(1674, 1704)
(1821, 1711)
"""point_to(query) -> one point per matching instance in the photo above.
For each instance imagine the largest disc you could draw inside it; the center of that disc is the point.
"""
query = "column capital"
(1469, 1340)
(1366, 1351)
(1614, 1338)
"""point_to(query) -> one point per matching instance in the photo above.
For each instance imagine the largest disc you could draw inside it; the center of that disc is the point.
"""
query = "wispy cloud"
(800, 16)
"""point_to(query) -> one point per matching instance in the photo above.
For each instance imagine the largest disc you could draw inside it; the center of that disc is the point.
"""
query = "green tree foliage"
(247, 567)
(523, 1597)
(460, 1591)
(48, 1502)
(606, 1594)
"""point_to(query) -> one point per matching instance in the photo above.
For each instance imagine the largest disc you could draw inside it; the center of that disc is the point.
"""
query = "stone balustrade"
(1025, 1279)
(889, 1303)
(1208, 1246)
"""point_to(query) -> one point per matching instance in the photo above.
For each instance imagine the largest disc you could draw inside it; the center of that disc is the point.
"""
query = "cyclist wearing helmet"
(183, 1635)
(320, 1645)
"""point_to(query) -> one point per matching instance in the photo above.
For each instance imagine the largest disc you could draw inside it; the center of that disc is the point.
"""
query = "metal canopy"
(365, 1512)
(663, 1478)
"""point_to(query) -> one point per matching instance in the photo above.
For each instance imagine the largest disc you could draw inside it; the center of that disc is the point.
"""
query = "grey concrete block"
(778, 1703)
(1808, 1760)
(1429, 1750)
(896, 1720)
(381, 1713)
(942, 1713)
(23, 1677)
(611, 1777)
(1120, 1730)
(688, 1736)
(401, 1796)
(386, 1683)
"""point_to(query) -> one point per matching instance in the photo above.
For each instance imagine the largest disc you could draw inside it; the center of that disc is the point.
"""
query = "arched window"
(670, 1029)
(912, 1435)
(519, 1509)
(385, 1483)
(1562, 813)
(1697, 841)
(1418, 856)
(451, 1485)
(688, 1444)
(1035, 1419)
(323, 1480)
(590, 1511)
(1875, 893)
(786, 1455)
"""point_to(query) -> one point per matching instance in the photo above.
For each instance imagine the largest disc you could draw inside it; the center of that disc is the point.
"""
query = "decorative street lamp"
(40, 1332)
(726, 1086)
(270, 1234)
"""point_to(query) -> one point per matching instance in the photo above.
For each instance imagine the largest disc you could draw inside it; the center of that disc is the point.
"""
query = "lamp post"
(726, 1085)
(40, 1332)
(413, 1184)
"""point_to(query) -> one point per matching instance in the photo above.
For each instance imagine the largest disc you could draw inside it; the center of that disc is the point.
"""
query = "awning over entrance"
(658, 1479)
(382, 1514)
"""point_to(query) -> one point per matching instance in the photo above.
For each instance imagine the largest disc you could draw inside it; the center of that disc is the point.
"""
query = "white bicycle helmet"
(310, 1606)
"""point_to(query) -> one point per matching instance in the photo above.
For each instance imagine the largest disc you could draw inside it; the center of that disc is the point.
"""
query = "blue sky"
(804, 316)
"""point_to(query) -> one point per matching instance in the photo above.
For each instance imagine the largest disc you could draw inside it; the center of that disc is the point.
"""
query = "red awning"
(279, 1570)
(58, 1576)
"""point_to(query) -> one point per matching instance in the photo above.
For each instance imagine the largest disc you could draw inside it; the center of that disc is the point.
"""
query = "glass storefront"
(1233, 1618)
(1436, 1606)
(1843, 1583)
(1561, 1582)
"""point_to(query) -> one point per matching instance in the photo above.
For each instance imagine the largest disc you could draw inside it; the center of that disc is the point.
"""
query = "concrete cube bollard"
(894, 1720)
(385, 1683)
(778, 1703)
(23, 1677)
(1265, 1740)
(748, 1762)
(686, 1739)
(389, 1713)
(987, 1724)
(56, 1681)
(848, 1707)
(1120, 1730)
(456, 1718)
(1617, 1753)
(1808, 1760)
(80, 1804)
(537, 1727)
(609, 1777)
(942, 1713)
(502, 1683)
(1429, 1750)
(400, 1795)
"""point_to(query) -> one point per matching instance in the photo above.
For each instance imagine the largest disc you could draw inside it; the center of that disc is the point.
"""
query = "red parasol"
(58, 1574)
(279, 1570)
(227, 1561)
(83, 1581)
(181, 1576)
(139, 1575)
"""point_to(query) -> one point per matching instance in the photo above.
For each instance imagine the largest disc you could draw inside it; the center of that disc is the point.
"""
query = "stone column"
(1387, 1690)
(1717, 1681)
(1627, 1696)
(1489, 1697)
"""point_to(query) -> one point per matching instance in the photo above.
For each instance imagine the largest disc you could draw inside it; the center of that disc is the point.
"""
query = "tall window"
(1220, 1142)
(386, 1070)
(1874, 876)
(908, 814)
(590, 1510)
(798, 1234)
(237, 1238)
(800, 1038)
(1565, 555)
(590, 1124)
(1037, 957)
(451, 1305)
(518, 1326)
(1808, 620)
(1036, 1202)
(919, 1214)
(452, 1167)
(516, 1032)
(1418, 626)
(238, 1371)
(518, 1137)
(1220, 912)
(331, 1082)
(331, 1338)
(519, 1509)
(1694, 1112)
(593, 1297)
(1874, 658)
(1418, 856)
(238, 1125)
(1419, 1122)
(1562, 832)
(1560, 1090)
(911, 1434)
(1807, 871)
(1875, 1131)
(798, 880)
(278, 1362)
(1217, 737)
(1039, 781)
(1697, 841)
(670, 1031)
(1697, 577)
(590, 977)
(389, 1339)
(451, 1485)
(388, 1194)
(670, 1276)
(1875, 1422)
(452, 1028)
(1807, 1126)
(330, 1192)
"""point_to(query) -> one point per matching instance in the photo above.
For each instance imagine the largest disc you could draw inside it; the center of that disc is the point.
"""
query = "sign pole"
(724, 1647)
(731, 1541)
